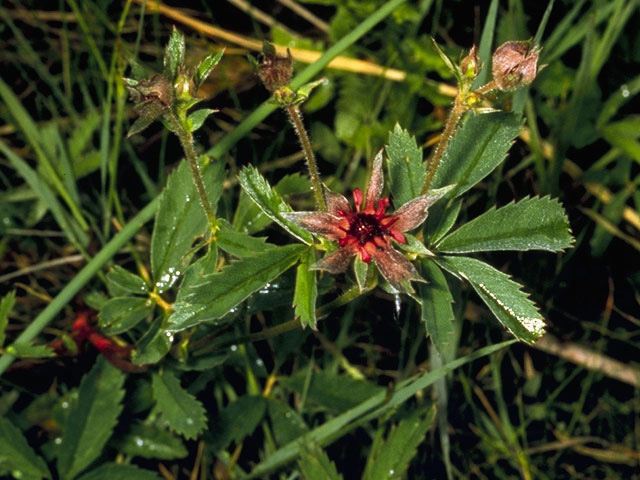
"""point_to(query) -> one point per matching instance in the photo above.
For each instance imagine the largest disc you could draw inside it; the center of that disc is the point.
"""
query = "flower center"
(365, 227)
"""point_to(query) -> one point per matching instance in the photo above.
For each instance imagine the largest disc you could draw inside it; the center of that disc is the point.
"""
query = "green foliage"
(17, 456)
(237, 420)
(530, 224)
(306, 292)
(478, 147)
(407, 170)
(218, 293)
(126, 282)
(314, 464)
(503, 296)
(91, 420)
(26, 350)
(180, 220)
(182, 411)
(197, 118)
(205, 67)
(435, 302)
(6, 305)
(174, 55)
(270, 202)
(119, 471)
(287, 424)
(120, 314)
(148, 441)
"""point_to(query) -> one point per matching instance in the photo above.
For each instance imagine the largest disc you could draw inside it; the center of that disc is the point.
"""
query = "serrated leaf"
(270, 202)
(240, 244)
(314, 464)
(237, 420)
(479, 146)
(360, 269)
(180, 220)
(219, 292)
(119, 471)
(120, 314)
(92, 419)
(6, 305)
(442, 216)
(205, 66)
(143, 121)
(153, 345)
(26, 350)
(435, 301)
(197, 118)
(17, 455)
(174, 55)
(126, 281)
(531, 224)
(336, 392)
(182, 411)
(148, 441)
(394, 455)
(286, 423)
(306, 291)
(407, 170)
(503, 296)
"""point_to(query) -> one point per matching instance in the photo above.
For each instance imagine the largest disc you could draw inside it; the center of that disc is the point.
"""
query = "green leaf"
(142, 122)
(479, 146)
(153, 346)
(270, 202)
(407, 170)
(119, 471)
(306, 292)
(148, 441)
(336, 392)
(180, 220)
(205, 66)
(182, 411)
(197, 118)
(126, 281)
(120, 314)
(174, 55)
(360, 270)
(6, 305)
(442, 216)
(314, 464)
(219, 292)
(91, 420)
(17, 455)
(237, 420)
(26, 350)
(531, 224)
(240, 244)
(503, 296)
(286, 423)
(436, 300)
(393, 457)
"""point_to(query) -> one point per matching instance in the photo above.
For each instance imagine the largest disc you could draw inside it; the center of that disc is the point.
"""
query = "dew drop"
(58, 441)
(16, 474)
(234, 348)
(259, 362)
(189, 421)
(624, 91)
(391, 472)
(64, 404)
(139, 441)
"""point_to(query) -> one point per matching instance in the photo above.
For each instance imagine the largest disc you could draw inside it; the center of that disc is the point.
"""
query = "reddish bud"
(275, 70)
(470, 65)
(515, 64)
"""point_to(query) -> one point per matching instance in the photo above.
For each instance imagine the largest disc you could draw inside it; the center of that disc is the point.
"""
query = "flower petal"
(396, 268)
(320, 223)
(336, 203)
(414, 212)
(336, 262)
(376, 182)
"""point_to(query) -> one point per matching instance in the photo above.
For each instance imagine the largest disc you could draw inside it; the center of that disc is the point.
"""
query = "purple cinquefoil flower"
(367, 230)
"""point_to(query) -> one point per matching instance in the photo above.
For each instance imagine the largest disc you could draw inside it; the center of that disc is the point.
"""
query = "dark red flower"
(367, 230)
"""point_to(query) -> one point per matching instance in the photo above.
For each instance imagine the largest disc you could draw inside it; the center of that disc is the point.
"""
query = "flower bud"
(274, 70)
(515, 64)
(470, 65)
(156, 89)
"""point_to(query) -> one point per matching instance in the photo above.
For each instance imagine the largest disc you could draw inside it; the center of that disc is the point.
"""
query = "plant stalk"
(186, 140)
(296, 119)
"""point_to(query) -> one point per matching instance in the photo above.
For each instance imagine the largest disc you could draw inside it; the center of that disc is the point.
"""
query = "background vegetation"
(229, 402)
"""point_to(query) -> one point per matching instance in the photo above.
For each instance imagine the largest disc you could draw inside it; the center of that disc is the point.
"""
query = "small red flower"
(368, 230)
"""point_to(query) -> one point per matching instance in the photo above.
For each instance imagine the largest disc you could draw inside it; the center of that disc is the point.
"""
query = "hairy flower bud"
(515, 64)
(470, 65)
(274, 70)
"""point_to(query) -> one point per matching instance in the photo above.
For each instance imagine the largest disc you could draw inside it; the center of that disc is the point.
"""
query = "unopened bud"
(274, 70)
(157, 89)
(515, 64)
(470, 65)
(183, 86)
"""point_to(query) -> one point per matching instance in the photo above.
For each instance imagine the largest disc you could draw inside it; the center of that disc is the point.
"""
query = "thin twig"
(306, 14)
(259, 15)
(42, 266)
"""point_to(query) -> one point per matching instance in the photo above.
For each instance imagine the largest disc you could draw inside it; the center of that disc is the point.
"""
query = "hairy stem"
(186, 140)
(296, 119)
